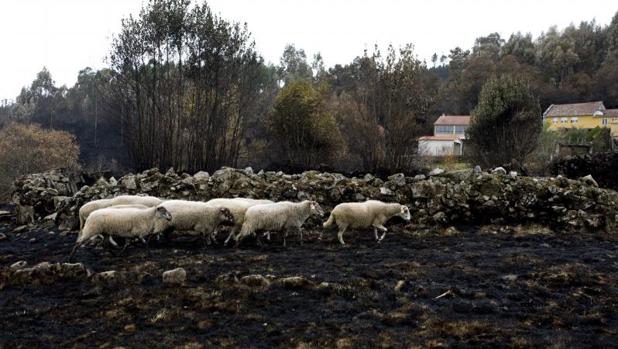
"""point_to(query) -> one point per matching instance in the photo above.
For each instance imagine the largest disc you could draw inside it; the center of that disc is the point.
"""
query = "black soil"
(483, 287)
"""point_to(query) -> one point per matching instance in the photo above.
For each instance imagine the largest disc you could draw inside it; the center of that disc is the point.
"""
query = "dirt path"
(471, 289)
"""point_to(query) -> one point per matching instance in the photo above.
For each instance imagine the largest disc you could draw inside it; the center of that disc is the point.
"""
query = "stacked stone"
(448, 198)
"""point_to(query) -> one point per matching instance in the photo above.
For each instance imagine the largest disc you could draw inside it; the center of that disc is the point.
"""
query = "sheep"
(126, 222)
(238, 207)
(371, 213)
(199, 217)
(92, 206)
(111, 240)
(278, 216)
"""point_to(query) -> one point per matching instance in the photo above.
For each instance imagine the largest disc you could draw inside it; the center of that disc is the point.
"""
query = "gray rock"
(106, 277)
(436, 171)
(175, 276)
(386, 191)
(398, 179)
(129, 182)
(589, 180)
(440, 218)
(513, 174)
(419, 177)
(255, 280)
(509, 277)
(499, 170)
(18, 265)
(51, 217)
(294, 282)
(477, 170)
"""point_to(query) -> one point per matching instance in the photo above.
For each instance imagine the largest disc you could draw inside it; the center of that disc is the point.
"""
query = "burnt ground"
(500, 287)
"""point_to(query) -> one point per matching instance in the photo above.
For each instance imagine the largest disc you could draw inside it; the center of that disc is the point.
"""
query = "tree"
(506, 123)
(189, 81)
(294, 66)
(302, 131)
(29, 148)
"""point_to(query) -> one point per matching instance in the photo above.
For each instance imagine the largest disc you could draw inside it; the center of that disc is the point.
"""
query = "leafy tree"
(506, 123)
(302, 131)
(29, 148)
(488, 46)
(521, 47)
(294, 66)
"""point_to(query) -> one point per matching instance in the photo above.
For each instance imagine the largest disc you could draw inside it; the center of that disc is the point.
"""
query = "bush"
(506, 123)
(302, 131)
(599, 138)
(29, 148)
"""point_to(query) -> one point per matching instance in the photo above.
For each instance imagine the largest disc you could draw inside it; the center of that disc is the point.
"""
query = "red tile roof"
(574, 109)
(452, 137)
(453, 120)
(611, 113)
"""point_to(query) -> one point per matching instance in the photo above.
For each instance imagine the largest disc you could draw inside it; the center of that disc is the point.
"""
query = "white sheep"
(92, 206)
(194, 217)
(125, 222)
(371, 213)
(238, 207)
(278, 216)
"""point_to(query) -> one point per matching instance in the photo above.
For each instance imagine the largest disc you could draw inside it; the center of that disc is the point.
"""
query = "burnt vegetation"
(480, 287)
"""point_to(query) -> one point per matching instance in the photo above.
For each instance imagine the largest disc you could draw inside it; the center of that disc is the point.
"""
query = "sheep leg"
(73, 251)
(126, 244)
(300, 231)
(285, 235)
(383, 229)
(340, 234)
(111, 241)
(375, 233)
(232, 234)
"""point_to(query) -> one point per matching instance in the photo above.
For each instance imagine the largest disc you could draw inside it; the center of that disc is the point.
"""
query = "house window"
(444, 130)
(604, 121)
(554, 120)
(573, 120)
(564, 120)
(460, 129)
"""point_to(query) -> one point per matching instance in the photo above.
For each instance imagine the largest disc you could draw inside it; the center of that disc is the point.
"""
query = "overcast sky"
(68, 35)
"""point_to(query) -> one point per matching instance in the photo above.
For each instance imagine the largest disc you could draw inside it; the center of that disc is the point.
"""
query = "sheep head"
(226, 216)
(404, 213)
(316, 209)
(162, 212)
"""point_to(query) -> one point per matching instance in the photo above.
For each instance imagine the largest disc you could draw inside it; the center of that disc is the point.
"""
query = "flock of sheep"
(134, 216)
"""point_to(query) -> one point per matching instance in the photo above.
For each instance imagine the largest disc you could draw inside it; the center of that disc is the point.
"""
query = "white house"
(449, 131)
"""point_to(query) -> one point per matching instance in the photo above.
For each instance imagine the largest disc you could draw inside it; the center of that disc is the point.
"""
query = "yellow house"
(576, 115)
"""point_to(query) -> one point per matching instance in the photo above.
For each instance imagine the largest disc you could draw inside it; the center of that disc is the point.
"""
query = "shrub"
(29, 148)
(506, 123)
(302, 131)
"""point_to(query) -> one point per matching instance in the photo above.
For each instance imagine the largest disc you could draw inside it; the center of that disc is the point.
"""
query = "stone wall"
(462, 197)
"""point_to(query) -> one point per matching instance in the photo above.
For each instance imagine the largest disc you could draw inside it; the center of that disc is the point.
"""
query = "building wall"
(613, 125)
(586, 121)
(458, 130)
(436, 148)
